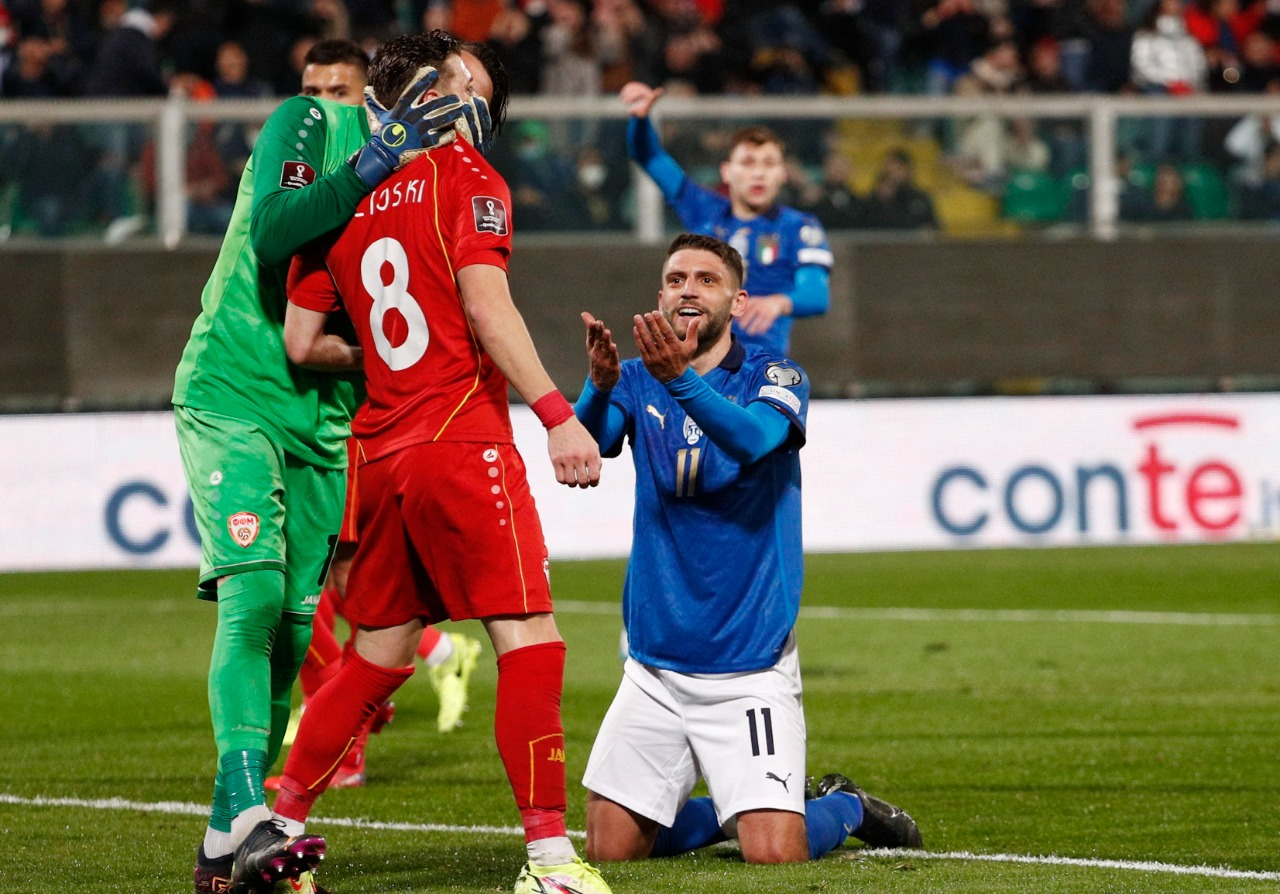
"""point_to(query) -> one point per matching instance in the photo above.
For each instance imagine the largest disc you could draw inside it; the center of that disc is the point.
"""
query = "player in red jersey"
(448, 528)
(337, 70)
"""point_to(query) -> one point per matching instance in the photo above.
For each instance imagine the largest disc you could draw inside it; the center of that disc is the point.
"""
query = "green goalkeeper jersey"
(295, 187)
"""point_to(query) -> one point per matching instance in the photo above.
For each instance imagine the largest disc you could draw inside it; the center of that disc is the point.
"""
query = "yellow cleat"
(291, 731)
(305, 883)
(578, 877)
(451, 678)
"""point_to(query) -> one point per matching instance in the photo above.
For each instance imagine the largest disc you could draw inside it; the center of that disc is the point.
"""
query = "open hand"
(606, 367)
(665, 354)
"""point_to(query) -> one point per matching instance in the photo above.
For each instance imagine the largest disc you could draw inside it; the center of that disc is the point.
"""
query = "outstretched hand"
(602, 351)
(664, 354)
(639, 98)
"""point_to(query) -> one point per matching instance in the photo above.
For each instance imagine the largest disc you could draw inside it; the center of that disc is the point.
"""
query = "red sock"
(430, 636)
(531, 737)
(336, 718)
(324, 656)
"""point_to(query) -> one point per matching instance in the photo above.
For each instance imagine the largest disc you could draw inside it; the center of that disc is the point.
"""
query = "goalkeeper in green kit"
(263, 447)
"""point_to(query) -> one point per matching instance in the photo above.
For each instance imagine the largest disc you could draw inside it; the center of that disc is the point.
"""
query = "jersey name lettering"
(395, 195)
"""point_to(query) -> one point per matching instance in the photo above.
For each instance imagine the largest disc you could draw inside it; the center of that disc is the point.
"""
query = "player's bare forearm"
(334, 354)
(602, 351)
(309, 346)
(663, 353)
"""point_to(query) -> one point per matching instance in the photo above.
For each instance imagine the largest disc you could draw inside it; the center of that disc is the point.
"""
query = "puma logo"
(777, 778)
(661, 417)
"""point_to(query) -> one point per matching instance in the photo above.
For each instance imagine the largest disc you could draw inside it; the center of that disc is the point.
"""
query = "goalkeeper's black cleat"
(268, 855)
(212, 876)
(883, 825)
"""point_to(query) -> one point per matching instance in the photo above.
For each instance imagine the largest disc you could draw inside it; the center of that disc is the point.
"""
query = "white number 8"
(393, 295)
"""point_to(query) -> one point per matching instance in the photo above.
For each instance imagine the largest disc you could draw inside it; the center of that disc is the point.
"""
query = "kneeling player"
(712, 688)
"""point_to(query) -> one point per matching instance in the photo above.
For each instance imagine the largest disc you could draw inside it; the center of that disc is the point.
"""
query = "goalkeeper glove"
(476, 127)
(412, 125)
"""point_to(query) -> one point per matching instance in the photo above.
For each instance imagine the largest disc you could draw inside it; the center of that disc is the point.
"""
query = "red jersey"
(395, 266)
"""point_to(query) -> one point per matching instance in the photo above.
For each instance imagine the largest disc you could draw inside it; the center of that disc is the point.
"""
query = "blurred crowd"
(578, 178)
(585, 47)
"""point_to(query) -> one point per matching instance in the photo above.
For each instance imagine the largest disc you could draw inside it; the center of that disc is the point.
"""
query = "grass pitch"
(1108, 716)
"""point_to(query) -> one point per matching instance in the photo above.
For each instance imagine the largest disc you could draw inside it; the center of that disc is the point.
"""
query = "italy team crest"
(767, 249)
(243, 527)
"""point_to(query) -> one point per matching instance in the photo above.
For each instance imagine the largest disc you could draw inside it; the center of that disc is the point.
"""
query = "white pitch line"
(982, 615)
(1132, 865)
(187, 808)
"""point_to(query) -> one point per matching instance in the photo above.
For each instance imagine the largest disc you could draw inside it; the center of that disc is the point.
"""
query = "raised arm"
(643, 144)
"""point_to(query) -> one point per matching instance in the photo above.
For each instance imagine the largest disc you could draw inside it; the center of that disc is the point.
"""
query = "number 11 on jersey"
(687, 461)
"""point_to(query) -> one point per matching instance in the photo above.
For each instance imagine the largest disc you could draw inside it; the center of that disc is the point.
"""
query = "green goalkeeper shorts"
(257, 507)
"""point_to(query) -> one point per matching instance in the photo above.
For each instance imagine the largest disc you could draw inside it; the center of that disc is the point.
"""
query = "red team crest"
(243, 527)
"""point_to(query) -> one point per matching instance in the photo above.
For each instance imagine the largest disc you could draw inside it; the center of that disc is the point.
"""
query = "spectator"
(70, 34)
(982, 141)
(569, 63)
(1167, 61)
(895, 202)
(127, 64)
(1260, 199)
(210, 196)
(330, 20)
(1110, 46)
(1250, 139)
(1065, 138)
(869, 33)
(514, 37)
(593, 200)
(30, 76)
(1210, 23)
(691, 48)
(128, 59)
(832, 199)
(1258, 63)
(630, 44)
(233, 80)
(955, 35)
(52, 206)
(1167, 201)
(790, 55)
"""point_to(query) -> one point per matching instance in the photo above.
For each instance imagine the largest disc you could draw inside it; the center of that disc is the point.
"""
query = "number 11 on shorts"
(766, 720)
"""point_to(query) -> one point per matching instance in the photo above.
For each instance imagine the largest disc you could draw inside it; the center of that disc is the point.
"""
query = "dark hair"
(337, 52)
(492, 63)
(396, 61)
(722, 250)
(755, 135)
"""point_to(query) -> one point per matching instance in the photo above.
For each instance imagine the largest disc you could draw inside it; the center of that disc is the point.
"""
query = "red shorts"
(347, 533)
(448, 531)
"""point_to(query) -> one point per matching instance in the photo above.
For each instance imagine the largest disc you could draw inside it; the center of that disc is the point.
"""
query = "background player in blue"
(711, 688)
(786, 254)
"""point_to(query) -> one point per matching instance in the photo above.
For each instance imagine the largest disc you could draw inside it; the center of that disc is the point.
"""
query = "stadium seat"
(1207, 192)
(1034, 197)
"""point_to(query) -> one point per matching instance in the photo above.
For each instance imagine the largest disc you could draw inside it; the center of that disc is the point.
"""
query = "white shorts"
(744, 733)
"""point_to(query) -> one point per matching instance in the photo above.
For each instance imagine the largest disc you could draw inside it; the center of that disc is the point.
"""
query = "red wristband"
(552, 409)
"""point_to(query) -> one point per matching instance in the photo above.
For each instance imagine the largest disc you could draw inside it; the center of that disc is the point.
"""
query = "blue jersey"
(773, 246)
(713, 585)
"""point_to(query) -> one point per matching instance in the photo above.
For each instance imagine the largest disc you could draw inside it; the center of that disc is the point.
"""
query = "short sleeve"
(311, 286)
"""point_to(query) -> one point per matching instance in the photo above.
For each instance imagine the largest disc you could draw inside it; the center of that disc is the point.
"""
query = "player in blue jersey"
(786, 254)
(711, 688)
